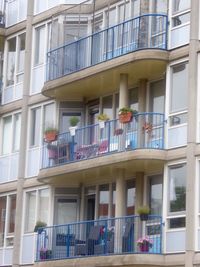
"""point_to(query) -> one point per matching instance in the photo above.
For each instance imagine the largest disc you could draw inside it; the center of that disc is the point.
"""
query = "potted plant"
(45, 253)
(143, 211)
(73, 125)
(144, 243)
(39, 227)
(126, 114)
(102, 118)
(50, 134)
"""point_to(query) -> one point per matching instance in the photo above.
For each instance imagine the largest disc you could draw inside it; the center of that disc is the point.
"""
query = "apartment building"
(67, 58)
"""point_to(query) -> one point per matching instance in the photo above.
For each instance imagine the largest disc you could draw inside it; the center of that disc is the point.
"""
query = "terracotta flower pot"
(50, 136)
(125, 117)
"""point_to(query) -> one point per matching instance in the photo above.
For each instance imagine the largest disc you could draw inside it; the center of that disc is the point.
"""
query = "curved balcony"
(143, 32)
(145, 131)
(125, 235)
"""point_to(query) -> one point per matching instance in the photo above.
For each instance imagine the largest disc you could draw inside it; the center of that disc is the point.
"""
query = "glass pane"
(159, 6)
(7, 135)
(35, 127)
(177, 188)
(44, 205)
(39, 45)
(66, 211)
(179, 87)
(107, 106)
(113, 199)
(177, 223)
(156, 189)
(103, 201)
(49, 116)
(11, 224)
(130, 203)
(180, 5)
(2, 219)
(133, 98)
(21, 52)
(16, 132)
(178, 119)
(178, 20)
(65, 120)
(157, 97)
(135, 8)
(30, 211)
(11, 61)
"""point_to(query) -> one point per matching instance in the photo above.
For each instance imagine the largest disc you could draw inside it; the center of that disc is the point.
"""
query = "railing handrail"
(106, 29)
(110, 121)
(102, 220)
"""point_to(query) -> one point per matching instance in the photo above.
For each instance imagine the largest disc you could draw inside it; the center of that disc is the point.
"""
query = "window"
(103, 201)
(107, 106)
(157, 97)
(12, 211)
(135, 8)
(21, 55)
(177, 194)
(133, 98)
(11, 61)
(179, 86)
(2, 219)
(37, 208)
(30, 211)
(130, 201)
(180, 5)
(16, 11)
(177, 188)
(35, 126)
(156, 188)
(39, 45)
(11, 133)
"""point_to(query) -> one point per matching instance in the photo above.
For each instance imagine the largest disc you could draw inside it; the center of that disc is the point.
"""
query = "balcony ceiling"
(103, 78)
(104, 168)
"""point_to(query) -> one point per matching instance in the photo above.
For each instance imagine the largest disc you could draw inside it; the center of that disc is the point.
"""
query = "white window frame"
(37, 190)
(16, 73)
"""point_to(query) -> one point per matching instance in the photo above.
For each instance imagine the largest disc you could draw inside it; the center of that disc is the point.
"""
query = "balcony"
(145, 131)
(143, 32)
(100, 238)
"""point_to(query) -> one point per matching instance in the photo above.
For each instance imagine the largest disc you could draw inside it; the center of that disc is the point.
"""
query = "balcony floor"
(104, 77)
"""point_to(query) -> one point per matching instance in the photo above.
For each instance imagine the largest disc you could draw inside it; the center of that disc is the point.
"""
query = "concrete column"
(139, 184)
(191, 132)
(120, 208)
(123, 90)
(82, 203)
(23, 137)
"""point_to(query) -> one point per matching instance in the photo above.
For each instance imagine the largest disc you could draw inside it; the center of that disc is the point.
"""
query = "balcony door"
(65, 120)
(65, 210)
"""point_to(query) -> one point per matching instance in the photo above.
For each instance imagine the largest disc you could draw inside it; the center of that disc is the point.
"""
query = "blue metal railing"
(123, 235)
(144, 131)
(143, 32)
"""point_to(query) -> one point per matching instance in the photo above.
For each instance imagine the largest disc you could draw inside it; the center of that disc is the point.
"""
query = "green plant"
(39, 224)
(126, 110)
(73, 121)
(50, 130)
(143, 210)
(103, 117)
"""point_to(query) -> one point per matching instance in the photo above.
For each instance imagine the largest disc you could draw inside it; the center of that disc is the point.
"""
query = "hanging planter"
(73, 130)
(102, 119)
(126, 114)
(73, 123)
(126, 117)
(50, 135)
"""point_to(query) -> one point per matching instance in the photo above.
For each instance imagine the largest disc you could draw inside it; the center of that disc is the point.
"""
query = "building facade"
(67, 59)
